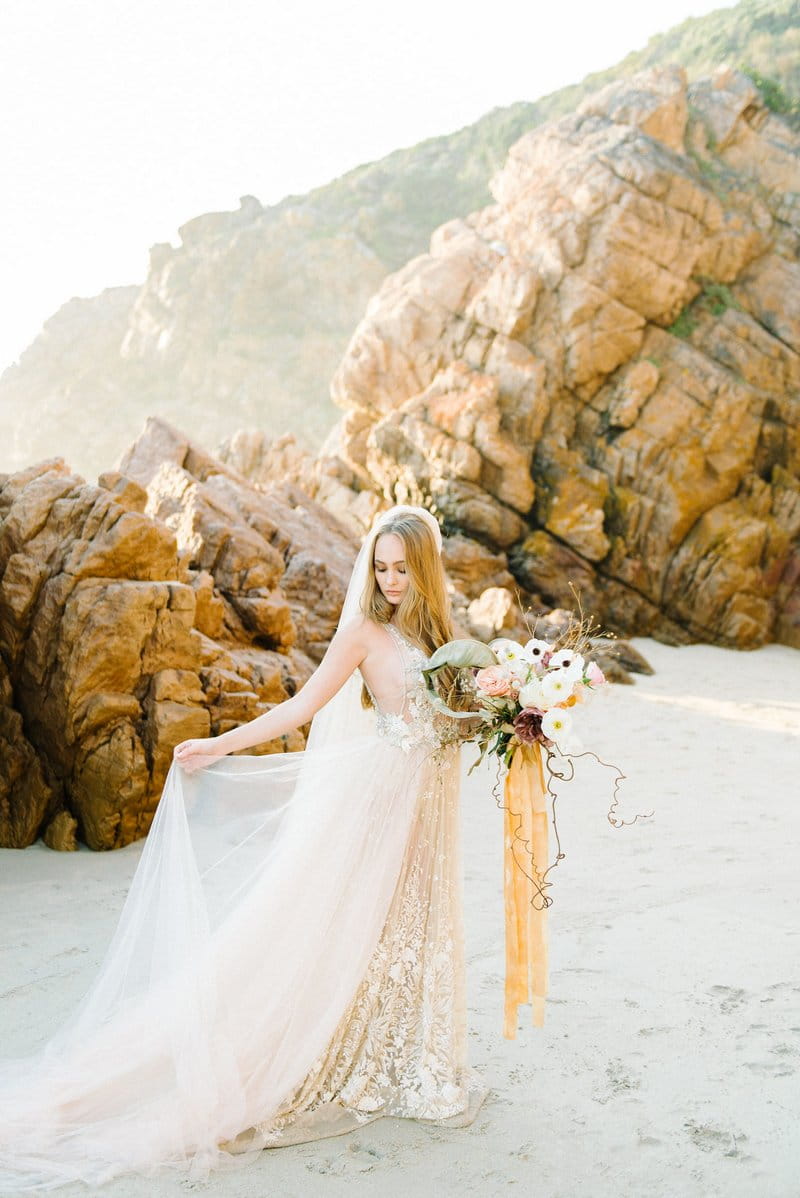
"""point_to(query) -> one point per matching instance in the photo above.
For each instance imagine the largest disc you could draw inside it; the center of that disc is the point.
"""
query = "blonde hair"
(423, 614)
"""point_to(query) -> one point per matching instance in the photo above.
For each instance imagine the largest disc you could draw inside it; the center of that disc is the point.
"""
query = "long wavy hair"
(423, 614)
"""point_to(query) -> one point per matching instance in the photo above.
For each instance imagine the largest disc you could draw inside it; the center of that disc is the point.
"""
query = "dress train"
(289, 964)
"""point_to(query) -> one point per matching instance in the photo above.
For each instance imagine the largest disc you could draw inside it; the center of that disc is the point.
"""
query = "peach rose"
(493, 681)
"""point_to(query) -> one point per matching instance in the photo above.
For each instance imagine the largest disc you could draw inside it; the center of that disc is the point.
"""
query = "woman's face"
(390, 567)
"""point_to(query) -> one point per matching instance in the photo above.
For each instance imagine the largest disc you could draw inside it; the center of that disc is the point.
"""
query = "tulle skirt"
(288, 964)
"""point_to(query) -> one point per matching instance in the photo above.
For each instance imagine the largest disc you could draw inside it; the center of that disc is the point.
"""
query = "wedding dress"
(289, 962)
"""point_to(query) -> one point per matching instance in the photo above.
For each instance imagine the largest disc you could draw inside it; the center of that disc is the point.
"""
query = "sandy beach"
(669, 1063)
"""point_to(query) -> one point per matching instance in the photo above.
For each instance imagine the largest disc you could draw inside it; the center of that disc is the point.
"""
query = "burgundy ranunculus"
(528, 727)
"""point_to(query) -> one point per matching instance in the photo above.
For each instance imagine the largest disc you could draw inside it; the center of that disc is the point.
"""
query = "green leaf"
(478, 761)
(455, 655)
(461, 655)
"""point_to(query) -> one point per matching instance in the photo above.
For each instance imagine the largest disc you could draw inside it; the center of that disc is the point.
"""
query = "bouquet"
(525, 694)
(523, 699)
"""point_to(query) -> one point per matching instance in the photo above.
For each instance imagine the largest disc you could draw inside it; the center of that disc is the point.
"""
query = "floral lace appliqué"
(401, 1044)
(420, 725)
(400, 1048)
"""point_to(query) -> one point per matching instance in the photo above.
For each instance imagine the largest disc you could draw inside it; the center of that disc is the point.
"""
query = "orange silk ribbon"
(526, 925)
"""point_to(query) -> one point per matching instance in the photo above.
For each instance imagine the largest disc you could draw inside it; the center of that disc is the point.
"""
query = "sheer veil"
(344, 717)
(245, 924)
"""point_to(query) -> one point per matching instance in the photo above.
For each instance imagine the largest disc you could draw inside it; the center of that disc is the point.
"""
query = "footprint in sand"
(782, 1067)
(356, 1158)
(709, 1138)
(620, 1080)
(730, 998)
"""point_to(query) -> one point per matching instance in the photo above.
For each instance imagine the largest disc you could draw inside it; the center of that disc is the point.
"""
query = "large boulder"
(278, 562)
(27, 796)
(600, 373)
(174, 599)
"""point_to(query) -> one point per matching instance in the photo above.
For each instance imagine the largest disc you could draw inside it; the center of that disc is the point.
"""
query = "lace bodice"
(417, 725)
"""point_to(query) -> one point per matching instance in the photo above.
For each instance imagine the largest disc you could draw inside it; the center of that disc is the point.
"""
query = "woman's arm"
(345, 654)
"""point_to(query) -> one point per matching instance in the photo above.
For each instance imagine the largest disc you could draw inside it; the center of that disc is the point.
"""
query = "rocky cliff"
(599, 373)
(176, 598)
(172, 600)
(245, 320)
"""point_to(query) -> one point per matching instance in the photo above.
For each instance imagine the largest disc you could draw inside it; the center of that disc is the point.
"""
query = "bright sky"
(122, 119)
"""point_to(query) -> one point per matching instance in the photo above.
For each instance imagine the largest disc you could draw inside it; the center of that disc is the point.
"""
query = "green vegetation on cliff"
(396, 203)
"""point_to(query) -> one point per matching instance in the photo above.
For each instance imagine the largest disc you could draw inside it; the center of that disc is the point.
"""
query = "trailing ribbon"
(525, 837)
(525, 865)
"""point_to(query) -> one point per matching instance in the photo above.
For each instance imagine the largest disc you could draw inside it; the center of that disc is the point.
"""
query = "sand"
(669, 1063)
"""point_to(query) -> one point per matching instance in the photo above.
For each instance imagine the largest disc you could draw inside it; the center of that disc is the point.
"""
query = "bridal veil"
(252, 919)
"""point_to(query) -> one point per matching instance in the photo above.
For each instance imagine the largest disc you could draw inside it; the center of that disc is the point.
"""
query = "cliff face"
(600, 372)
(245, 321)
(170, 601)
(177, 598)
(239, 324)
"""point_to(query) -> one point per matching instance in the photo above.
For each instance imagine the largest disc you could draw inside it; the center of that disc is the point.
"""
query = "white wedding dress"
(289, 963)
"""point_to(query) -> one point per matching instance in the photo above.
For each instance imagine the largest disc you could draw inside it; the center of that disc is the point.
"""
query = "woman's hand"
(198, 753)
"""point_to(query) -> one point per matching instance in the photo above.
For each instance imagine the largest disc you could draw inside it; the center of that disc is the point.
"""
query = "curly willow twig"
(540, 900)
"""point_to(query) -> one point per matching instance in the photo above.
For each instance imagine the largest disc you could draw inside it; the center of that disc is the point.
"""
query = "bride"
(289, 961)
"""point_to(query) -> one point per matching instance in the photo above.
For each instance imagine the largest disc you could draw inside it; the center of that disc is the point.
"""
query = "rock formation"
(600, 373)
(245, 320)
(171, 600)
(176, 598)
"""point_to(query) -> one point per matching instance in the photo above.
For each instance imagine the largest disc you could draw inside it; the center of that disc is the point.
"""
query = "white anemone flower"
(531, 695)
(557, 686)
(506, 650)
(536, 649)
(557, 727)
(567, 659)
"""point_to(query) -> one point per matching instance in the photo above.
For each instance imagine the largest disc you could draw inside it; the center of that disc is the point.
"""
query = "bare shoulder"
(361, 631)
